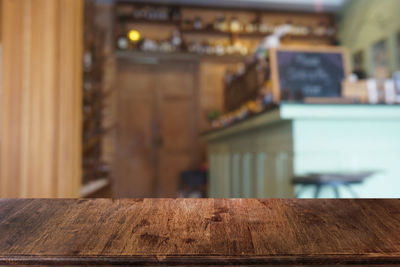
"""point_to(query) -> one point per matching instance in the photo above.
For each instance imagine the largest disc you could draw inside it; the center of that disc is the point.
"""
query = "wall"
(364, 22)
(211, 94)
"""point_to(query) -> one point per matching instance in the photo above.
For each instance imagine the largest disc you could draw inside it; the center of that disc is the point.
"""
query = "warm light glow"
(134, 35)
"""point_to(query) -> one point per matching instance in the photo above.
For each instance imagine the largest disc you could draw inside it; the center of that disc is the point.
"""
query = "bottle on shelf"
(175, 14)
(198, 23)
(320, 30)
(220, 23)
(139, 13)
(252, 26)
(176, 39)
(166, 47)
(149, 45)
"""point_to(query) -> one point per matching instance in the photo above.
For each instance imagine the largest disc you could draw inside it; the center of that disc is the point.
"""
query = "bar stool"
(333, 180)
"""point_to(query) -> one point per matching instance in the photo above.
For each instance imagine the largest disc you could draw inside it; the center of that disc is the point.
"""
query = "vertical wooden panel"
(1, 5)
(236, 185)
(41, 98)
(247, 175)
(260, 170)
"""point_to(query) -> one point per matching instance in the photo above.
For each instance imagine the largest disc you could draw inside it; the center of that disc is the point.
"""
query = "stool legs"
(334, 187)
(317, 191)
(351, 191)
(301, 189)
(336, 190)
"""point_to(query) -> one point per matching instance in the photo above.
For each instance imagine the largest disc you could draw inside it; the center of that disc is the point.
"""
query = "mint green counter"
(259, 156)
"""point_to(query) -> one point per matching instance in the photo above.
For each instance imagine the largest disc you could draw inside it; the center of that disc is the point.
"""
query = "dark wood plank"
(199, 231)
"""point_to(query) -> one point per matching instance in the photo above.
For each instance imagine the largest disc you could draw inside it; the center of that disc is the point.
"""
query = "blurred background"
(190, 98)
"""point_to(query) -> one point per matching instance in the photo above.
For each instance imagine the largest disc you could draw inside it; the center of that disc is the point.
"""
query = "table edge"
(202, 259)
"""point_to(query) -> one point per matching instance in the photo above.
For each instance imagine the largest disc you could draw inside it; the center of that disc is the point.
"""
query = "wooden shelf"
(226, 34)
(209, 32)
(309, 37)
(250, 34)
(146, 21)
(206, 32)
(137, 54)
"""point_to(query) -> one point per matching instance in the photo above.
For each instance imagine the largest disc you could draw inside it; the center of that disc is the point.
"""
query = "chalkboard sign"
(307, 72)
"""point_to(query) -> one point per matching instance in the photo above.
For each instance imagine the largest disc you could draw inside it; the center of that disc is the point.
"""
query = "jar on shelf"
(235, 25)
(122, 43)
(251, 27)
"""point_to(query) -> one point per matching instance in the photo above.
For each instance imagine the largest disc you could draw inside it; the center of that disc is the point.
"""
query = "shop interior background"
(190, 99)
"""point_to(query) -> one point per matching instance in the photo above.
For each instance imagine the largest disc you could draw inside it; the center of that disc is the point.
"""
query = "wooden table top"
(199, 231)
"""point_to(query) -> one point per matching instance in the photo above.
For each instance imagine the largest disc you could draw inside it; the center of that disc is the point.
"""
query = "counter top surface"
(199, 231)
(300, 111)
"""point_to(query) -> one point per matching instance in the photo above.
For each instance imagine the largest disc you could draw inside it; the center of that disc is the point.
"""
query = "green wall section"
(365, 22)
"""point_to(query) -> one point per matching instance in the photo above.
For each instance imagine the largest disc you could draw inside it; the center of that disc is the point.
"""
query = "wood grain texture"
(1, 21)
(41, 99)
(199, 231)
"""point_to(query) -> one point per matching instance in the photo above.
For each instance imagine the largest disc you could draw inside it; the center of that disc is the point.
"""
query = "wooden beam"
(1, 5)
(41, 100)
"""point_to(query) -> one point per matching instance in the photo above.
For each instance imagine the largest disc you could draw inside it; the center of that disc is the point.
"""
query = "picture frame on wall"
(380, 59)
(358, 59)
(398, 50)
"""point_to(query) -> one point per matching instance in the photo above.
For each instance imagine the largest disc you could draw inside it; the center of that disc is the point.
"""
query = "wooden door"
(156, 127)
(177, 125)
